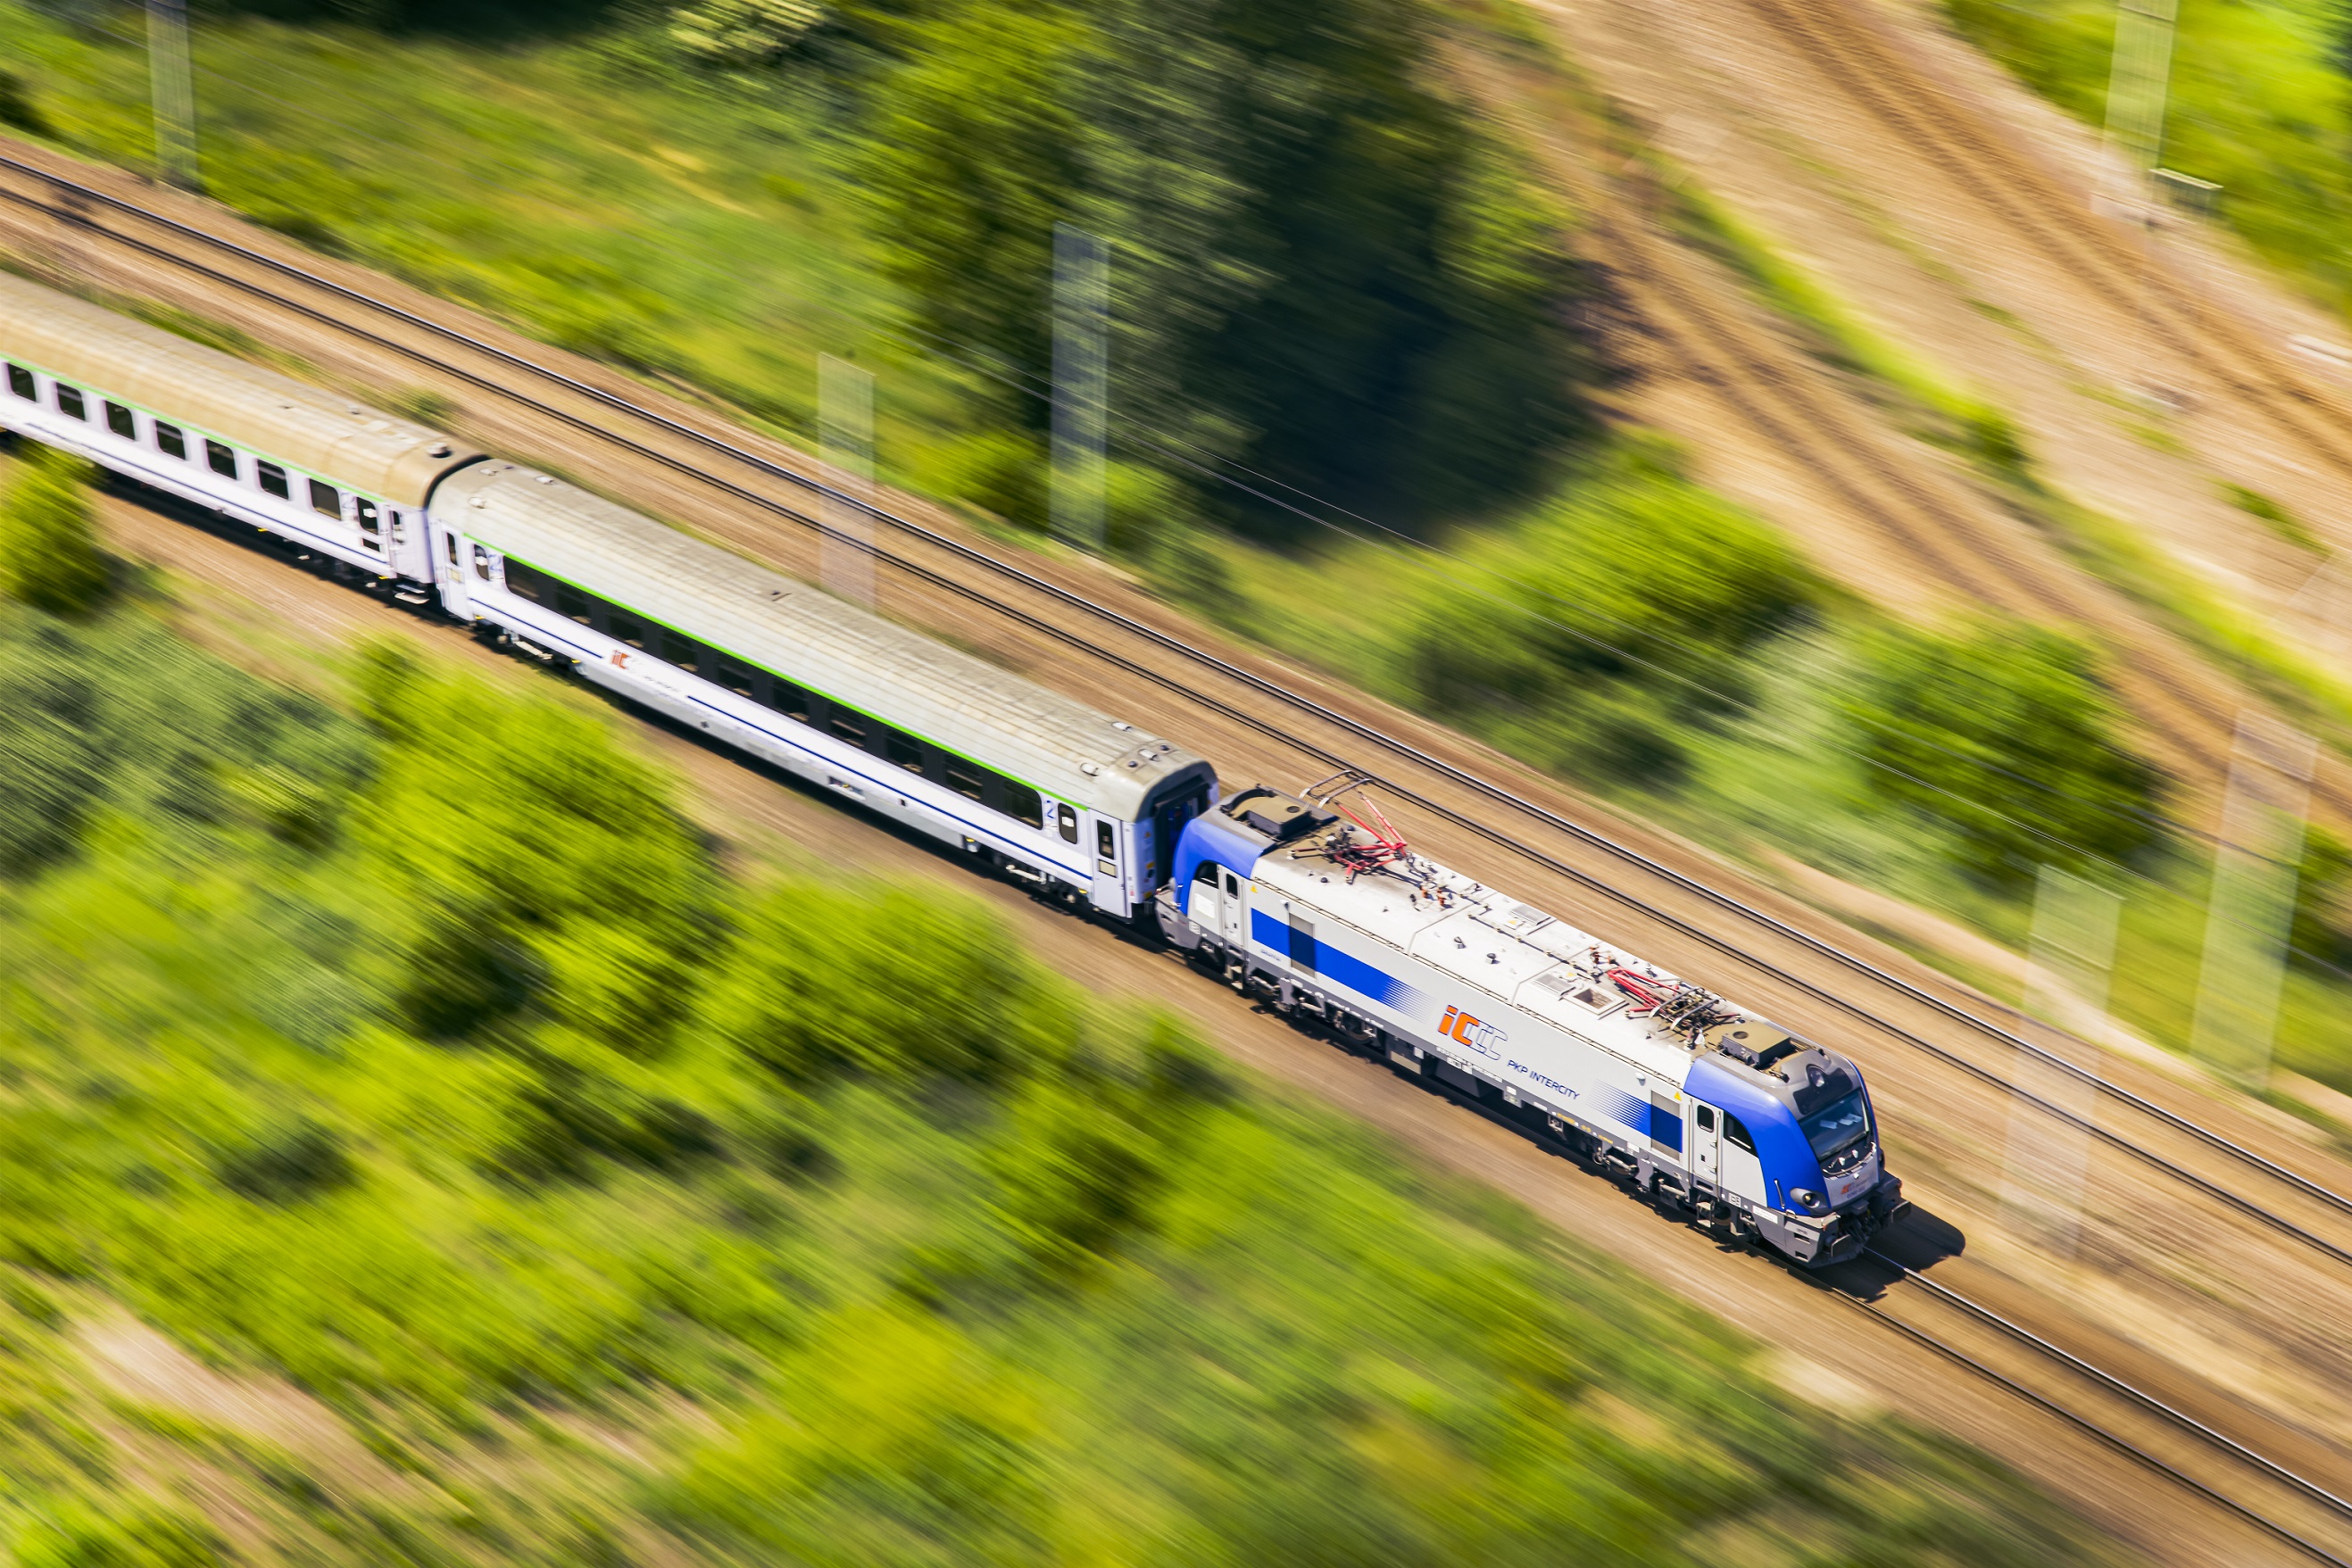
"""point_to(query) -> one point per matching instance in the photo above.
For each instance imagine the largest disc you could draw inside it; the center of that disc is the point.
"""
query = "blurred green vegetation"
(1325, 268)
(2259, 103)
(48, 556)
(421, 1061)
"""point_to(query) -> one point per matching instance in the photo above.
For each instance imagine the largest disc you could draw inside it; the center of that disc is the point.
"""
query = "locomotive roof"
(1490, 943)
(846, 652)
(303, 427)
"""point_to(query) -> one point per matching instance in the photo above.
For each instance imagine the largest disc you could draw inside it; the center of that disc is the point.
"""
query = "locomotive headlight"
(1806, 1198)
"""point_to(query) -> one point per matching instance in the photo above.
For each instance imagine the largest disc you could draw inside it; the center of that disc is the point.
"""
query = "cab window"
(1736, 1132)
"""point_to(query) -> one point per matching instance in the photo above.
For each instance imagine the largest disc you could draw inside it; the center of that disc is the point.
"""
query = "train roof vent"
(1759, 1045)
(1278, 815)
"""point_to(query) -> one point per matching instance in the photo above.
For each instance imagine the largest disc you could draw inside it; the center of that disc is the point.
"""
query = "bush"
(2005, 735)
(1599, 634)
(48, 554)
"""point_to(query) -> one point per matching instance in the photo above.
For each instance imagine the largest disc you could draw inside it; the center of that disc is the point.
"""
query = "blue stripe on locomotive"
(1781, 1145)
(1334, 964)
(1662, 1125)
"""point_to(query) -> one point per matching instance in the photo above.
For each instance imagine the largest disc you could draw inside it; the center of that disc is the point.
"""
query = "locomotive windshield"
(1837, 1127)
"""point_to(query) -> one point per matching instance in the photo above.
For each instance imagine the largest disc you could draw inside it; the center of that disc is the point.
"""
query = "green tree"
(48, 554)
(2004, 733)
(1321, 268)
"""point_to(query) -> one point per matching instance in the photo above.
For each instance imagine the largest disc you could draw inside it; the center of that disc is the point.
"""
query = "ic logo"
(1475, 1034)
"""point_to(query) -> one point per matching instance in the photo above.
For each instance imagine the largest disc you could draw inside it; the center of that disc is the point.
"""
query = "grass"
(981, 1270)
(594, 196)
(2275, 518)
(1956, 418)
(2257, 103)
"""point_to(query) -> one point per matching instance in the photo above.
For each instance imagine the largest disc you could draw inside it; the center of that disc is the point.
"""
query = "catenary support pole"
(2071, 955)
(1081, 384)
(171, 82)
(844, 418)
(2255, 870)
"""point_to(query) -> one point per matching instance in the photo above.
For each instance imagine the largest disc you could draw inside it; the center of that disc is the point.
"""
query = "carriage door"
(1706, 1145)
(407, 550)
(449, 570)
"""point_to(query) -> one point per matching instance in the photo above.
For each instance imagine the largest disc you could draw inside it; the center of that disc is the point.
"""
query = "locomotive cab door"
(1705, 1144)
(1232, 915)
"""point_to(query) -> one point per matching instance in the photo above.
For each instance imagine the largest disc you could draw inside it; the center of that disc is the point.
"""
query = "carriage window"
(1706, 1115)
(789, 700)
(848, 724)
(221, 459)
(70, 402)
(326, 500)
(966, 778)
(170, 441)
(682, 651)
(740, 679)
(20, 381)
(1021, 802)
(1736, 1132)
(121, 421)
(1106, 841)
(481, 563)
(569, 601)
(903, 749)
(621, 623)
(272, 478)
(1068, 821)
(525, 581)
(364, 509)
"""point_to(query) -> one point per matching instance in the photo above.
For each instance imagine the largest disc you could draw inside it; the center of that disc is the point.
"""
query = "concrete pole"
(844, 419)
(1081, 385)
(2068, 962)
(171, 82)
(2255, 869)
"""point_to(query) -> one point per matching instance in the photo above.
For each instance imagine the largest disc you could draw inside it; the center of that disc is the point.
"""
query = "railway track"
(1984, 162)
(2168, 1442)
(2188, 714)
(2206, 1164)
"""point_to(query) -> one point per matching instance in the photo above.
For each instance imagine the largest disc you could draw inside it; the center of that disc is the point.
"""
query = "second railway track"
(1873, 998)
(1448, 791)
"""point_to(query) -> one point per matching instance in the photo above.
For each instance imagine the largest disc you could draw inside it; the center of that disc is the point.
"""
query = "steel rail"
(2148, 1401)
(1404, 749)
(2085, 1424)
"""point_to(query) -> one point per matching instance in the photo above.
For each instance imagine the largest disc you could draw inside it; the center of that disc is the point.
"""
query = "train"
(1312, 902)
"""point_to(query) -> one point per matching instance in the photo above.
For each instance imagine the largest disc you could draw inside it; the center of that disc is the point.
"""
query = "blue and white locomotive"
(1745, 1127)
